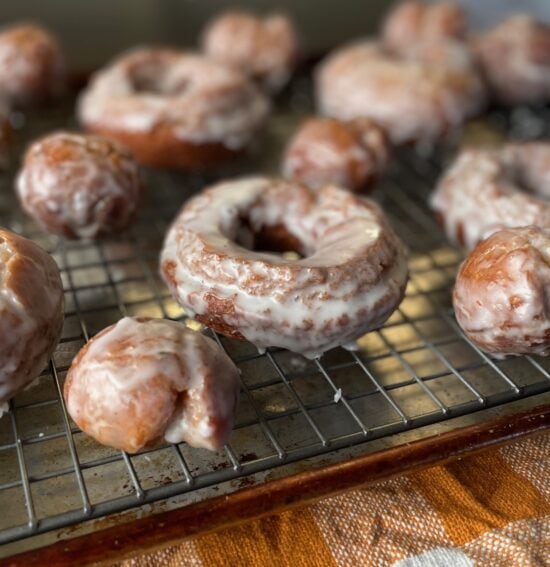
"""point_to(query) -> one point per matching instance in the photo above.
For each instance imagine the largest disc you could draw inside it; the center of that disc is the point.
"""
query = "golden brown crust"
(162, 148)
(32, 67)
(144, 419)
(31, 311)
(216, 260)
(144, 381)
(80, 186)
(174, 109)
(502, 293)
(352, 154)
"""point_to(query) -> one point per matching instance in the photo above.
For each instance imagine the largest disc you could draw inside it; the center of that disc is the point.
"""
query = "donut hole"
(275, 239)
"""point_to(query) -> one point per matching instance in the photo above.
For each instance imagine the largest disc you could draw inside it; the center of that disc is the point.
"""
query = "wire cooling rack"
(418, 369)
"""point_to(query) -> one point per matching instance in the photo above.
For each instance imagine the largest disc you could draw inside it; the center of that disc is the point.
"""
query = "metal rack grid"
(418, 369)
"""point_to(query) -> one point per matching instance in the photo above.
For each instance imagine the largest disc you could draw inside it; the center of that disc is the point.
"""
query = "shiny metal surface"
(416, 375)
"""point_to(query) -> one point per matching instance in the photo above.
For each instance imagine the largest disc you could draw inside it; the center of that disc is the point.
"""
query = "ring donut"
(489, 188)
(351, 277)
(419, 96)
(174, 109)
(502, 291)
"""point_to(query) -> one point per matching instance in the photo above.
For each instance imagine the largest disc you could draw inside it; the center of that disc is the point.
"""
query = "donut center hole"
(155, 79)
(530, 183)
(273, 239)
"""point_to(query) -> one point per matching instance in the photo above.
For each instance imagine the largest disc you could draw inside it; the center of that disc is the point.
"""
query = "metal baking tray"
(416, 379)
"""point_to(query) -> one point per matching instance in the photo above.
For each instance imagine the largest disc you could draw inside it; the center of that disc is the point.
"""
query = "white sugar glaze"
(351, 280)
(325, 150)
(186, 379)
(414, 21)
(415, 98)
(487, 189)
(31, 312)
(515, 56)
(502, 293)
(77, 190)
(203, 100)
(265, 48)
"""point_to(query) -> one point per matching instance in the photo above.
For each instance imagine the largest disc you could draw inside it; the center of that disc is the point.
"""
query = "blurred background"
(92, 32)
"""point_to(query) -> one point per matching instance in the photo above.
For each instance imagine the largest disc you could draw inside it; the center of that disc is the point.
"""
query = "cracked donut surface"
(218, 262)
(502, 293)
(141, 382)
(350, 154)
(31, 312)
(420, 95)
(172, 108)
(489, 188)
(80, 186)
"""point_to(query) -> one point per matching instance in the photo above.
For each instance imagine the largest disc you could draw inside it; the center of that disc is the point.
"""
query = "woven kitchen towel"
(491, 509)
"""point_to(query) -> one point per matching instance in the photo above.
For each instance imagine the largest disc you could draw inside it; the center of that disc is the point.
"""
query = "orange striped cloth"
(491, 509)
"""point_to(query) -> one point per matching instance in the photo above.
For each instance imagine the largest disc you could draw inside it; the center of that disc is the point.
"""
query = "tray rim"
(160, 530)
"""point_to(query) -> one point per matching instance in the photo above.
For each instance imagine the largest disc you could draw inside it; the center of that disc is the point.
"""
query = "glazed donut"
(411, 22)
(417, 97)
(351, 278)
(515, 59)
(31, 312)
(328, 151)
(32, 66)
(6, 136)
(174, 109)
(265, 49)
(502, 292)
(79, 186)
(143, 381)
(490, 188)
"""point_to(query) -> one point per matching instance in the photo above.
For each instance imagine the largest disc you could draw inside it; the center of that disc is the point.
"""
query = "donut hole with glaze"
(154, 77)
(274, 239)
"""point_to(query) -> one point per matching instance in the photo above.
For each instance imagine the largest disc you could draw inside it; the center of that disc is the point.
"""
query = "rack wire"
(418, 369)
